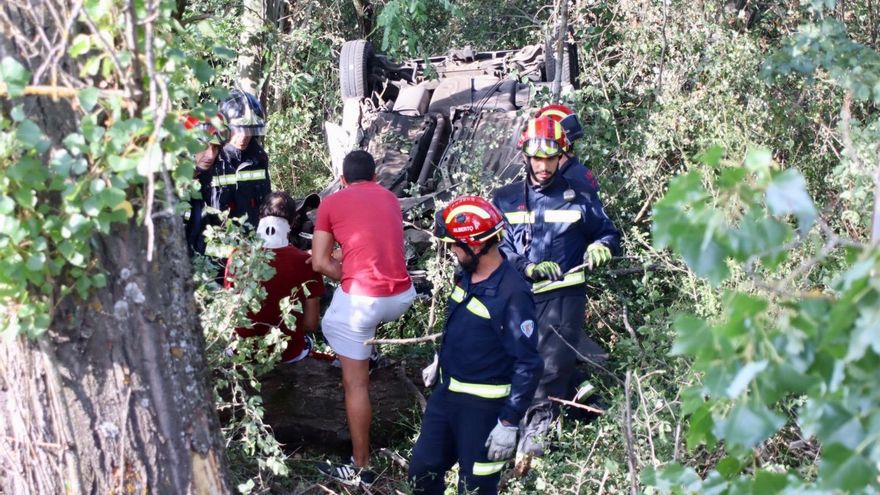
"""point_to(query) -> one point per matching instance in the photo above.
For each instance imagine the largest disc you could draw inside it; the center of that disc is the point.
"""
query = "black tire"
(570, 69)
(355, 63)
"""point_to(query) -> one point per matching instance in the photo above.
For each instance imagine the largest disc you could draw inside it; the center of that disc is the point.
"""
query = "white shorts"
(351, 320)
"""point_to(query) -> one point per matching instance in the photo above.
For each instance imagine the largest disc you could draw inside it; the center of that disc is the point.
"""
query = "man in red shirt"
(294, 277)
(365, 219)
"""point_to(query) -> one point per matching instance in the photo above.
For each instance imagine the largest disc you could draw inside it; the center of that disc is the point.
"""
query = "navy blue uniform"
(238, 181)
(556, 223)
(489, 369)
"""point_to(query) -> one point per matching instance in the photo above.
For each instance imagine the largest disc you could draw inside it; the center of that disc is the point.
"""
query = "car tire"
(355, 64)
(570, 69)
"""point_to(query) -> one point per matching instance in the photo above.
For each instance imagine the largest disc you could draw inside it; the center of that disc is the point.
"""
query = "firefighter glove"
(597, 254)
(429, 373)
(545, 270)
(501, 442)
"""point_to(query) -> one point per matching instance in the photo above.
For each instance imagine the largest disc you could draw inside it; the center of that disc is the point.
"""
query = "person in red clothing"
(365, 219)
(294, 277)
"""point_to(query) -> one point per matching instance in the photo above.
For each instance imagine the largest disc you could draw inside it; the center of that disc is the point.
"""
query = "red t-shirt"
(365, 220)
(291, 273)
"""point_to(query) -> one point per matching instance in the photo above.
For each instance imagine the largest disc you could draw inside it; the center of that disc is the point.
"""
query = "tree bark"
(114, 397)
(364, 12)
(250, 55)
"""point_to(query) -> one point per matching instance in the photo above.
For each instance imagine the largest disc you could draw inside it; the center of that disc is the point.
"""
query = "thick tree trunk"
(250, 55)
(115, 397)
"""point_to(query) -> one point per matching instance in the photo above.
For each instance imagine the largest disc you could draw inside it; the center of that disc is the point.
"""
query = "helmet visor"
(249, 123)
(541, 148)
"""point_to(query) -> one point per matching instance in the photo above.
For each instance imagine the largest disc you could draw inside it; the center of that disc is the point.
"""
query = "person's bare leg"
(356, 381)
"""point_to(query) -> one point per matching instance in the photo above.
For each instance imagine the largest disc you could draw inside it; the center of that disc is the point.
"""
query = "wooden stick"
(414, 340)
(628, 435)
(576, 404)
(58, 91)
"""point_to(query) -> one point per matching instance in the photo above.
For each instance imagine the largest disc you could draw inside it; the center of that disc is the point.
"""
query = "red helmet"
(566, 117)
(192, 122)
(468, 220)
(543, 137)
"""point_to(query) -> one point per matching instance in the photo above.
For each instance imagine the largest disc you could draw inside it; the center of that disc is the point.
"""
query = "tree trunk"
(114, 397)
(250, 56)
(364, 12)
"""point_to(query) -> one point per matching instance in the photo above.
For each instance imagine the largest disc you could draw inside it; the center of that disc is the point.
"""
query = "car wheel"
(569, 62)
(355, 63)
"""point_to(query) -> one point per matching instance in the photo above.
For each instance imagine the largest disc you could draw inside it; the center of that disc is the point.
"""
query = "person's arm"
(322, 255)
(520, 338)
(311, 312)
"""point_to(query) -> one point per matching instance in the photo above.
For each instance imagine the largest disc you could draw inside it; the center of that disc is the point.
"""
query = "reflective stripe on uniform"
(474, 305)
(478, 308)
(562, 216)
(479, 389)
(487, 468)
(570, 279)
(517, 217)
(244, 175)
(457, 294)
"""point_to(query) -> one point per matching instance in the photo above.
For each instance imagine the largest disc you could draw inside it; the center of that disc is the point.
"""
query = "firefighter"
(555, 226)
(239, 180)
(488, 362)
(569, 165)
(194, 217)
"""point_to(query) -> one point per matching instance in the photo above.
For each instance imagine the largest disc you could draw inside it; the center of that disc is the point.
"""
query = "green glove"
(597, 254)
(545, 270)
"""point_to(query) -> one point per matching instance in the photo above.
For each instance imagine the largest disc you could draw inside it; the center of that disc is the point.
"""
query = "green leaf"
(29, 134)
(15, 76)
(758, 160)
(700, 428)
(787, 194)
(88, 97)
(748, 424)
(81, 44)
(712, 156)
(225, 53)
(843, 469)
(768, 483)
(728, 467)
(744, 377)
(692, 335)
(865, 334)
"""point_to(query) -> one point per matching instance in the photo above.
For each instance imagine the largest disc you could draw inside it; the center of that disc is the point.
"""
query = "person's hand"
(501, 442)
(597, 254)
(336, 254)
(545, 270)
(429, 373)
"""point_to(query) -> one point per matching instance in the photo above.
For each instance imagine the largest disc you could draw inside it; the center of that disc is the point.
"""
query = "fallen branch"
(58, 91)
(628, 435)
(576, 404)
(414, 340)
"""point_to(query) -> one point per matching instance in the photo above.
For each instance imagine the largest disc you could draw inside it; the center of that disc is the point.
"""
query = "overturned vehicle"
(430, 122)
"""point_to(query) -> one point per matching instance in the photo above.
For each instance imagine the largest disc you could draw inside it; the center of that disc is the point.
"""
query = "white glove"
(429, 373)
(501, 442)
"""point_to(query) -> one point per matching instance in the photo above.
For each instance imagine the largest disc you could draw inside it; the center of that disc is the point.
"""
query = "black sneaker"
(348, 474)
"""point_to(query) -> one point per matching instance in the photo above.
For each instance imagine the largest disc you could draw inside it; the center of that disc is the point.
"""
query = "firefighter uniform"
(555, 222)
(489, 368)
(239, 181)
